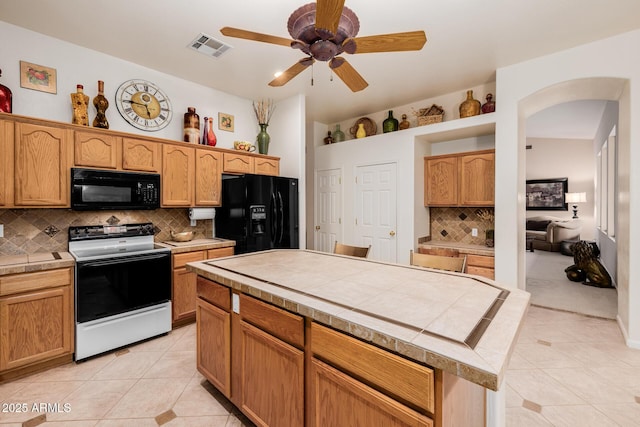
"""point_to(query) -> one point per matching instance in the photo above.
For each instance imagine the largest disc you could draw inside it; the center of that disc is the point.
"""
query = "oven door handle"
(123, 260)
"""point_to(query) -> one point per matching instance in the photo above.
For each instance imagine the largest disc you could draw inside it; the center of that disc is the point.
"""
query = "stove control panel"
(92, 232)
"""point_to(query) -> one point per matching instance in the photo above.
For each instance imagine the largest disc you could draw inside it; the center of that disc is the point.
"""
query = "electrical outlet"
(474, 232)
(1, 230)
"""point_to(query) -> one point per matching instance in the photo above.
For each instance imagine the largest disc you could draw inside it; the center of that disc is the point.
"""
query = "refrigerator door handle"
(281, 209)
(274, 219)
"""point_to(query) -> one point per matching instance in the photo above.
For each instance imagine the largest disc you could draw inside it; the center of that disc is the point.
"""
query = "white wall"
(606, 69)
(566, 158)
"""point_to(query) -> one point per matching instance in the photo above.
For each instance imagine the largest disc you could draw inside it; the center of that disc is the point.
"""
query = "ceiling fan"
(324, 30)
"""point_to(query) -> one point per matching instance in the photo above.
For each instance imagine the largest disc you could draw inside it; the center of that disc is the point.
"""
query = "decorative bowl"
(244, 146)
(184, 236)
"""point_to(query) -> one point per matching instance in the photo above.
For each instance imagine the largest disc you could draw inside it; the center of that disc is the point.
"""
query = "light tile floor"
(567, 370)
(148, 384)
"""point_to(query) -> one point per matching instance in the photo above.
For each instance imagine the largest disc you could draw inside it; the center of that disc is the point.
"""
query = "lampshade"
(575, 197)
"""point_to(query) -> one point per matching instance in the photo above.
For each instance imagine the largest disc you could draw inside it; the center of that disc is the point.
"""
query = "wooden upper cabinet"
(266, 166)
(141, 155)
(208, 178)
(441, 181)
(238, 163)
(477, 182)
(465, 179)
(6, 163)
(96, 150)
(177, 175)
(42, 162)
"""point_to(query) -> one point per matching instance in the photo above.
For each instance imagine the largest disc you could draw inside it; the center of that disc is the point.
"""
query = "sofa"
(547, 232)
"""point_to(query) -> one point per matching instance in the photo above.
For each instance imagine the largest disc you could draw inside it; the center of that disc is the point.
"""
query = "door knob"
(317, 227)
(392, 233)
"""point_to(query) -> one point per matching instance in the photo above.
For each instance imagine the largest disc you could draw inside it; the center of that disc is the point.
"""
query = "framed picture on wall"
(38, 77)
(546, 194)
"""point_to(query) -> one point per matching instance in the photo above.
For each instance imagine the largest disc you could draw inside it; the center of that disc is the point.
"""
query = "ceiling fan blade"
(348, 74)
(412, 40)
(291, 72)
(328, 14)
(259, 37)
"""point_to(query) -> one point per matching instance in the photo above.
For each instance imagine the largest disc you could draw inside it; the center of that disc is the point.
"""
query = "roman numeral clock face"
(143, 105)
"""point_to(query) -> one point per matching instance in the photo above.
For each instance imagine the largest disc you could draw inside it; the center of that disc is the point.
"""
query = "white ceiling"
(467, 41)
(570, 120)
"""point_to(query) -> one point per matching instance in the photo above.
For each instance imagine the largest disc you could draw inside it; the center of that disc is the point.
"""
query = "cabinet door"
(177, 175)
(267, 166)
(221, 252)
(238, 163)
(441, 181)
(140, 155)
(96, 150)
(42, 162)
(213, 337)
(6, 163)
(183, 295)
(35, 326)
(272, 372)
(477, 179)
(208, 178)
(340, 400)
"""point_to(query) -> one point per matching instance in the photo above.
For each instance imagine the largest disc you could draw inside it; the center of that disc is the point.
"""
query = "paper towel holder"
(201, 213)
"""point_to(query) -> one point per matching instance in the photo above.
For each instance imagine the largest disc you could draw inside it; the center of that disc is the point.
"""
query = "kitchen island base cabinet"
(214, 345)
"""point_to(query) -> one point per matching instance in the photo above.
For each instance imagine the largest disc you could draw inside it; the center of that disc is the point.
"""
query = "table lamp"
(574, 199)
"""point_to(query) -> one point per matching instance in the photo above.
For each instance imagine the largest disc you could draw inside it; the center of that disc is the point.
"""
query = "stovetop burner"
(94, 242)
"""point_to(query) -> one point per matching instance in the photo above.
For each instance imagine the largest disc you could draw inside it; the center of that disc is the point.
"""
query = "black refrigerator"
(259, 212)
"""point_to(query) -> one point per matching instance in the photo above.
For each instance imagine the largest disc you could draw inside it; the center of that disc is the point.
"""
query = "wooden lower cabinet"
(340, 400)
(214, 344)
(272, 375)
(36, 320)
(481, 265)
(183, 283)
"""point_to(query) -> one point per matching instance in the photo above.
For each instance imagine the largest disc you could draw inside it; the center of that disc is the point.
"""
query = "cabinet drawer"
(279, 323)
(24, 282)
(221, 252)
(397, 377)
(179, 260)
(237, 163)
(489, 273)
(214, 293)
(267, 166)
(481, 261)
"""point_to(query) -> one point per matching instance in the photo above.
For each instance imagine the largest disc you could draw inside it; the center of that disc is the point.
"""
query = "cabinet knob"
(317, 227)
(392, 233)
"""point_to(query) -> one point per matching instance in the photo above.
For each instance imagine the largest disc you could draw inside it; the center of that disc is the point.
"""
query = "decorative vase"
(390, 124)
(80, 102)
(470, 106)
(490, 105)
(488, 238)
(404, 124)
(101, 103)
(338, 135)
(361, 133)
(328, 139)
(263, 138)
(191, 128)
(208, 137)
(6, 98)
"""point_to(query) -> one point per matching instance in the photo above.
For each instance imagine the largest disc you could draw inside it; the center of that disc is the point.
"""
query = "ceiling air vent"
(209, 46)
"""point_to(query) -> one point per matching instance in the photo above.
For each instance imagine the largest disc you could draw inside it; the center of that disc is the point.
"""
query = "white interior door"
(328, 227)
(376, 210)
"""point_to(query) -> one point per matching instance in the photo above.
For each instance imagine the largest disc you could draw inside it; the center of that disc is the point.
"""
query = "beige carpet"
(549, 287)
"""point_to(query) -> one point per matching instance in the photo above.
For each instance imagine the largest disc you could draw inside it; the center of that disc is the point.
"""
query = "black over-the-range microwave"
(95, 189)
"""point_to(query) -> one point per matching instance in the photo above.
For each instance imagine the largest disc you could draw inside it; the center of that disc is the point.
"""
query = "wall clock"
(143, 105)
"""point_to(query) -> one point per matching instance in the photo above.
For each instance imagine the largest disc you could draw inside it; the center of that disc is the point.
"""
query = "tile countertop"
(464, 325)
(15, 264)
(464, 248)
(197, 245)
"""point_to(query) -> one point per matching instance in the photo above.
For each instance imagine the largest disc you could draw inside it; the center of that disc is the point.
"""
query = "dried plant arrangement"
(263, 109)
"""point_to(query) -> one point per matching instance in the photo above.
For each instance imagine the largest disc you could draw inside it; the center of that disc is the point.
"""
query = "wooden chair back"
(357, 251)
(438, 261)
(440, 251)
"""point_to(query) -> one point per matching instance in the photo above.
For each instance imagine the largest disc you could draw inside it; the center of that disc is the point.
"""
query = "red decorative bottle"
(6, 98)
(211, 137)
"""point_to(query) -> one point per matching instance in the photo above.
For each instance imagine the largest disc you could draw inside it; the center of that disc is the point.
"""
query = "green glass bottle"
(390, 124)
(338, 135)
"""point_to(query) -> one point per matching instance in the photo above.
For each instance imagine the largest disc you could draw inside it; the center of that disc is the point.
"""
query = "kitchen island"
(350, 337)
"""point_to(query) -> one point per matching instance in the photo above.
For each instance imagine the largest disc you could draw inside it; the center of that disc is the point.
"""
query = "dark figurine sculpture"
(587, 269)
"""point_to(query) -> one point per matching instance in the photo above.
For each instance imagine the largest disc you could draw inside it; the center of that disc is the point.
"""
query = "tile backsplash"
(27, 231)
(455, 224)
